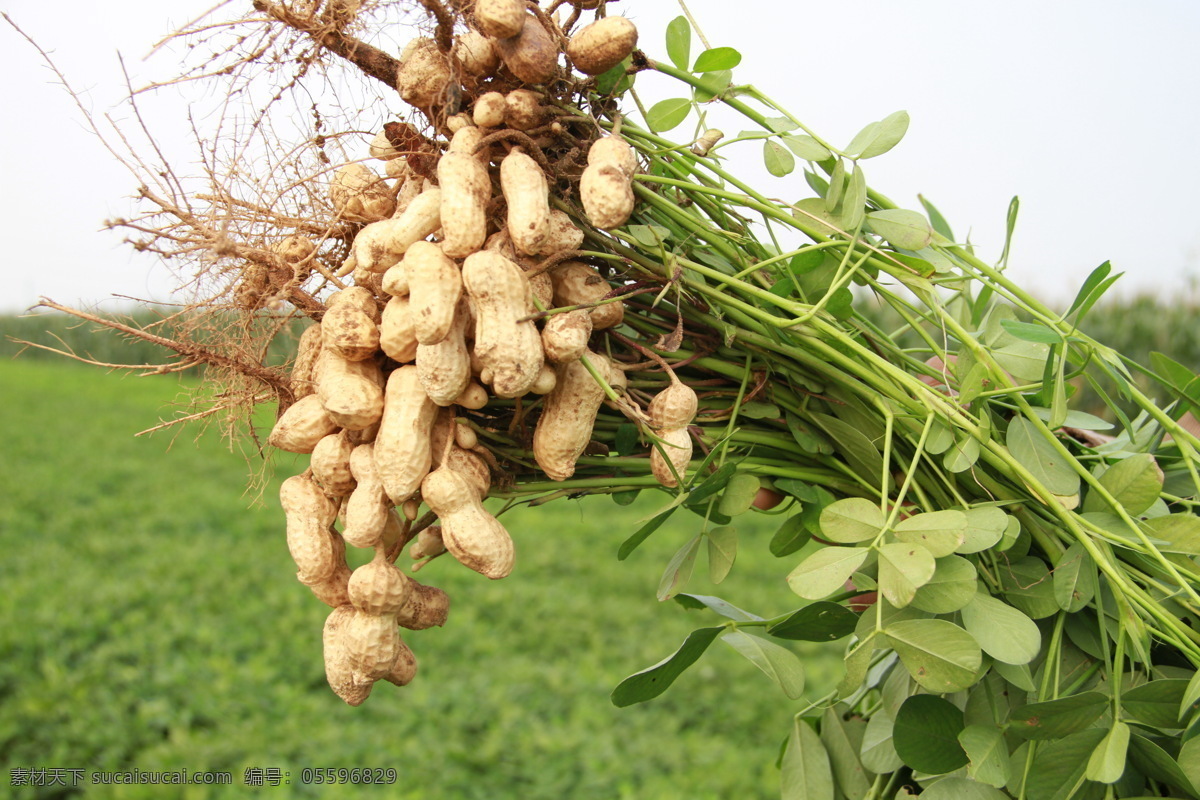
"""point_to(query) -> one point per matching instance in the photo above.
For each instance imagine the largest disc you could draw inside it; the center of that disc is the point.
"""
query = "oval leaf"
(985, 527)
(879, 137)
(826, 571)
(805, 773)
(778, 159)
(1002, 631)
(738, 495)
(807, 148)
(1135, 482)
(951, 587)
(851, 520)
(903, 568)
(653, 681)
(925, 734)
(940, 532)
(667, 114)
(1055, 719)
(988, 754)
(1029, 446)
(818, 622)
(717, 58)
(939, 655)
(722, 551)
(1107, 762)
(777, 663)
(1074, 579)
(903, 229)
(679, 41)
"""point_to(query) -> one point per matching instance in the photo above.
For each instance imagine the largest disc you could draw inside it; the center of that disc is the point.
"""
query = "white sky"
(1088, 111)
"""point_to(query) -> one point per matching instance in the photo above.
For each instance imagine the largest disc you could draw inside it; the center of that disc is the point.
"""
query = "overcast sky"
(1088, 111)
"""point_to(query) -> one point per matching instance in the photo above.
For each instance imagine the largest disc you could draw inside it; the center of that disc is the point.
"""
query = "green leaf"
(985, 527)
(667, 114)
(1135, 482)
(826, 571)
(807, 148)
(679, 569)
(819, 622)
(878, 137)
(653, 681)
(940, 532)
(952, 788)
(862, 454)
(1003, 632)
(1054, 719)
(712, 484)
(936, 219)
(714, 83)
(1157, 764)
(1074, 579)
(617, 80)
(1030, 447)
(851, 520)
(878, 753)
(778, 160)
(988, 754)
(679, 42)
(962, 455)
(805, 773)
(1028, 586)
(717, 605)
(939, 655)
(722, 551)
(1032, 332)
(1025, 361)
(1089, 288)
(1190, 696)
(1175, 533)
(837, 185)
(777, 663)
(717, 58)
(643, 533)
(1177, 376)
(791, 536)
(853, 210)
(1156, 703)
(757, 410)
(1075, 419)
(1189, 759)
(904, 229)
(1059, 768)
(925, 734)
(739, 494)
(843, 740)
(951, 587)
(903, 568)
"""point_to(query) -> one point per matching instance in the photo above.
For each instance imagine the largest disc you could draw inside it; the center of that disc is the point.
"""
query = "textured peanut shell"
(382, 244)
(576, 283)
(303, 425)
(434, 287)
(527, 195)
(470, 533)
(607, 195)
(568, 417)
(466, 190)
(368, 505)
(302, 382)
(561, 235)
(402, 446)
(531, 56)
(613, 150)
(333, 590)
(338, 671)
(294, 249)
(350, 391)
(372, 642)
(546, 381)
(673, 407)
(359, 195)
(523, 109)
(404, 668)
(309, 513)
(377, 587)
(429, 543)
(500, 19)
(331, 464)
(473, 397)
(348, 330)
(476, 55)
(505, 344)
(467, 141)
(565, 336)
(411, 184)
(423, 75)
(445, 368)
(599, 47)
(427, 607)
(677, 445)
(488, 111)
(543, 288)
(397, 337)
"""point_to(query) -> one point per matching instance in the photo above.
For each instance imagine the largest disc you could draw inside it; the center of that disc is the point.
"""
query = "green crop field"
(152, 621)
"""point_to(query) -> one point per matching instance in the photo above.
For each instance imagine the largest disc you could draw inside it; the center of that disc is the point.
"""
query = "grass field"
(151, 620)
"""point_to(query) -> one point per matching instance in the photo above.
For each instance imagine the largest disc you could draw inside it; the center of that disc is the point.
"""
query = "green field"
(152, 621)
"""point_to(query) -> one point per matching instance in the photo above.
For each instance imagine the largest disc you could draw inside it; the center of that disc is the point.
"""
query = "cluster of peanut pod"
(460, 292)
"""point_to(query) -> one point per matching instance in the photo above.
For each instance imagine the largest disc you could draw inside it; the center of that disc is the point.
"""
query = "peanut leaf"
(653, 681)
